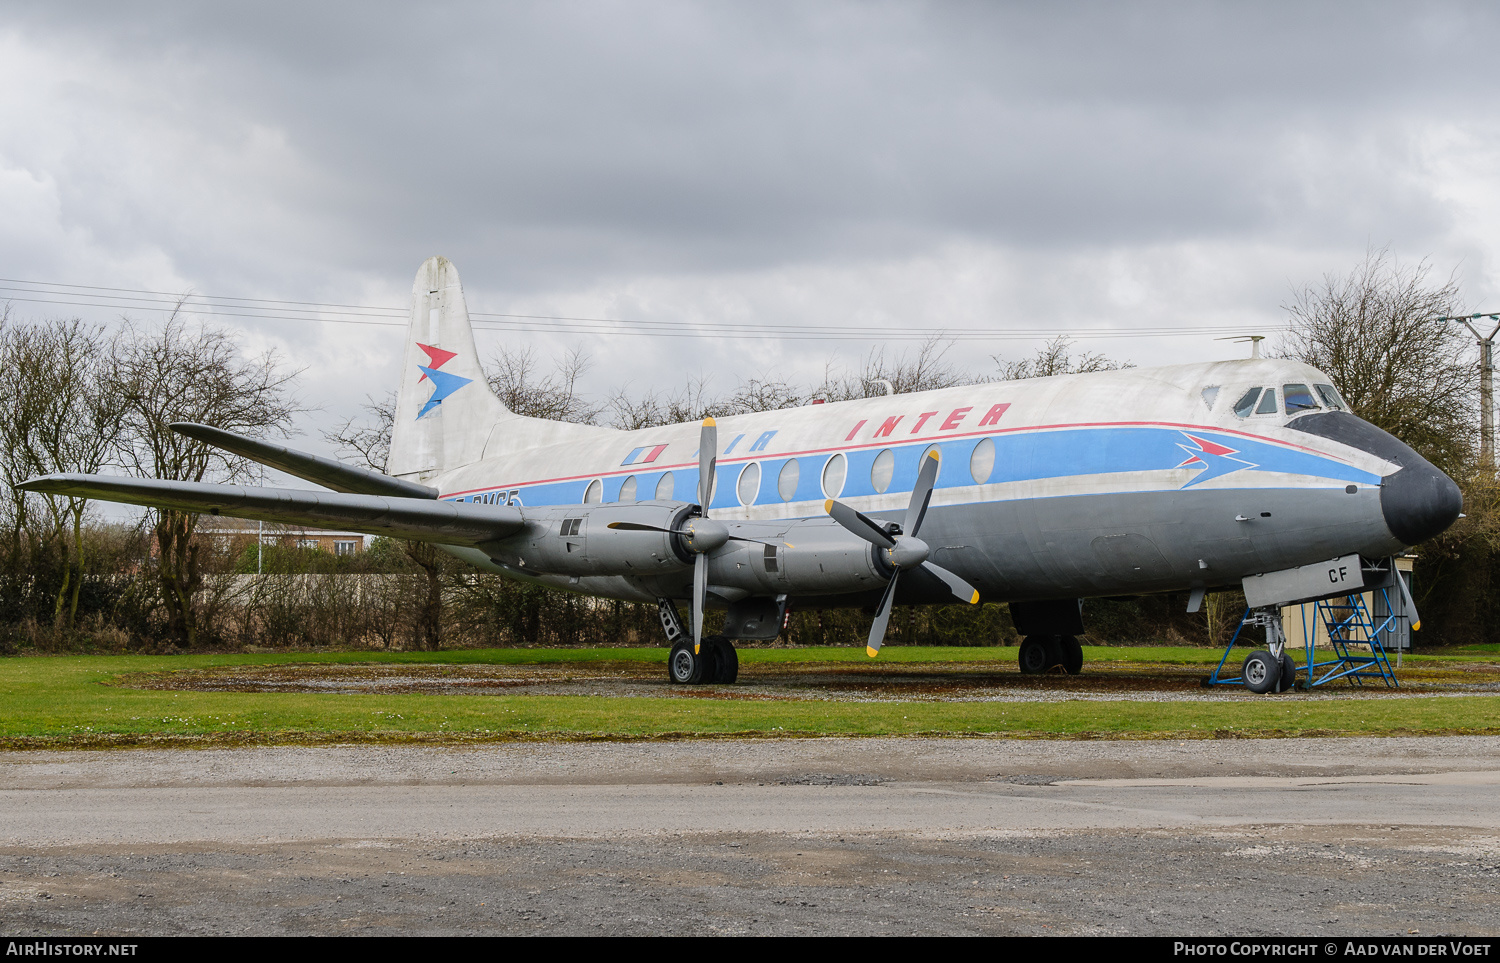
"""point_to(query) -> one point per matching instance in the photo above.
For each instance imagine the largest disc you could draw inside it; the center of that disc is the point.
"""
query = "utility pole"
(1486, 384)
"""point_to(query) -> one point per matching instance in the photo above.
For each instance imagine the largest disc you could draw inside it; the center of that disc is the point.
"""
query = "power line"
(273, 309)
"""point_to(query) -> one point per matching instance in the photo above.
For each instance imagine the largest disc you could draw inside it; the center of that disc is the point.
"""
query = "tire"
(1288, 678)
(1036, 655)
(726, 660)
(1072, 654)
(684, 666)
(1260, 671)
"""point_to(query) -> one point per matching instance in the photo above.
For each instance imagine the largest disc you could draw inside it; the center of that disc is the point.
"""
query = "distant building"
(237, 533)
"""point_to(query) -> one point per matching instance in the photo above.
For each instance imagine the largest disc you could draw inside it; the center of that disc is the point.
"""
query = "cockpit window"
(1332, 398)
(1267, 404)
(1246, 404)
(1298, 398)
(1210, 395)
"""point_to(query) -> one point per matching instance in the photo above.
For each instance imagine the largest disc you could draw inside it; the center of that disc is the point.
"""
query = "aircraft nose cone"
(1419, 502)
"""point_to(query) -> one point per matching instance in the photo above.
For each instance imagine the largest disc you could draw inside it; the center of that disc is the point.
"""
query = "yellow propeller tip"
(828, 506)
(695, 650)
(710, 423)
(871, 651)
(1417, 626)
(934, 455)
(975, 599)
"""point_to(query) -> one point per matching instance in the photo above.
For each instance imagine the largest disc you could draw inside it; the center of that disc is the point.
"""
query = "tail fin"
(444, 409)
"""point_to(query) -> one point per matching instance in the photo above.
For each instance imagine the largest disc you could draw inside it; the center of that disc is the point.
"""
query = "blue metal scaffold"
(1359, 637)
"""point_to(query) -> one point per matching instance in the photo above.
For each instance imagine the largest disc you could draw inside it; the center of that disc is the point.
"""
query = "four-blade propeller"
(902, 549)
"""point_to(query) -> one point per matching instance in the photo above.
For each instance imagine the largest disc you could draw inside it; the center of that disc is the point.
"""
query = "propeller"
(903, 549)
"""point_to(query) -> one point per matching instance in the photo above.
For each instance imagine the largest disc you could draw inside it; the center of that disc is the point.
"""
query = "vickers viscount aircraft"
(1039, 493)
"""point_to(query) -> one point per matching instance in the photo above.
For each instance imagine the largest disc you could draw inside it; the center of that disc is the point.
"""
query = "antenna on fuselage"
(1254, 339)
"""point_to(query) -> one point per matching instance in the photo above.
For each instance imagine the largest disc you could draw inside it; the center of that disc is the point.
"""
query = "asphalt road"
(1325, 837)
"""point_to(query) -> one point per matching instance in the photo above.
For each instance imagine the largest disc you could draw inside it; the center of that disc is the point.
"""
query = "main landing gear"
(715, 661)
(1043, 653)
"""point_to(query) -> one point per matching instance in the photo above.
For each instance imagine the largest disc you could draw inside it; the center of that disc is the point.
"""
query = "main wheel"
(1037, 654)
(1288, 677)
(1072, 654)
(686, 667)
(1261, 671)
(726, 660)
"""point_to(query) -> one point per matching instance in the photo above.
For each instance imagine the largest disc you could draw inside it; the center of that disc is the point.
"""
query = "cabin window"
(1267, 404)
(1246, 404)
(883, 470)
(1210, 395)
(1332, 398)
(665, 488)
(749, 484)
(627, 490)
(833, 475)
(594, 494)
(982, 462)
(1298, 398)
(786, 482)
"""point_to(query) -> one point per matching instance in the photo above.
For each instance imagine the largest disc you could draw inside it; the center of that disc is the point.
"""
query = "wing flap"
(419, 519)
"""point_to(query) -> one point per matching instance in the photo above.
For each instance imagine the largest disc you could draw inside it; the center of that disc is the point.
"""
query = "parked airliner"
(1040, 493)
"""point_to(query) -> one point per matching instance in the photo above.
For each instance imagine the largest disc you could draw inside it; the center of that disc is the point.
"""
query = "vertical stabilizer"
(445, 410)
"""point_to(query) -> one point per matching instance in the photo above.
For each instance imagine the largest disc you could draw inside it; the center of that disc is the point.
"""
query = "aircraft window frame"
(750, 473)
(594, 493)
(667, 482)
(1268, 403)
(1297, 408)
(788, 479)
(1245, 407)
(983, 456)
(1336, 402)
(840, 474)
(883, 471)
(627, 489)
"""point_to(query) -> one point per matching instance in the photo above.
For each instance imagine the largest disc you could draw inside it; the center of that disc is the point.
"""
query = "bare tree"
(927, 370)
(60, 418)
(514, 378)
(180, 373)
(1055, 358)
(1374, 331)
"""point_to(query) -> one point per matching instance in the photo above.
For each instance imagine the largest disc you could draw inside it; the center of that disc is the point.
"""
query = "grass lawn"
(74, 701)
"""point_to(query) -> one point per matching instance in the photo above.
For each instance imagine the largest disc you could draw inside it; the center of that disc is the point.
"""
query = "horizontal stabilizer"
(419, 519)
(320, 471)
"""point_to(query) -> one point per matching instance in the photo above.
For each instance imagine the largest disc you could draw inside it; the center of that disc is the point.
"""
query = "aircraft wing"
(321, 471)
(419, 519)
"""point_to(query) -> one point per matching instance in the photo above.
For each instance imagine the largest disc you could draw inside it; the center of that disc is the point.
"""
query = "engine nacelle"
(577, 540)
(811, 556)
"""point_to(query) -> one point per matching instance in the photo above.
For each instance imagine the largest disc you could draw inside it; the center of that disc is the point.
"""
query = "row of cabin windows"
(1295, 399)
(789, 478)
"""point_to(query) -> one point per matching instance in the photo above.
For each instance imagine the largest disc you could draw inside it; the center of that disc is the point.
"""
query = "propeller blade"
(641, 527)
(700, 598)
(1411, 603)
(638, 527)
(921, 495)
(858, 524)
(882, 617)
(961, 590)
(708, 457)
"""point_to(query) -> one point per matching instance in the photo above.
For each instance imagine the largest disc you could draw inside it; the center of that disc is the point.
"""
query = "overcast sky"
(980, 165)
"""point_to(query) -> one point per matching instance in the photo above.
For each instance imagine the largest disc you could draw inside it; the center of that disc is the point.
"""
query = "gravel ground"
(835, 681)
(825, 836)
